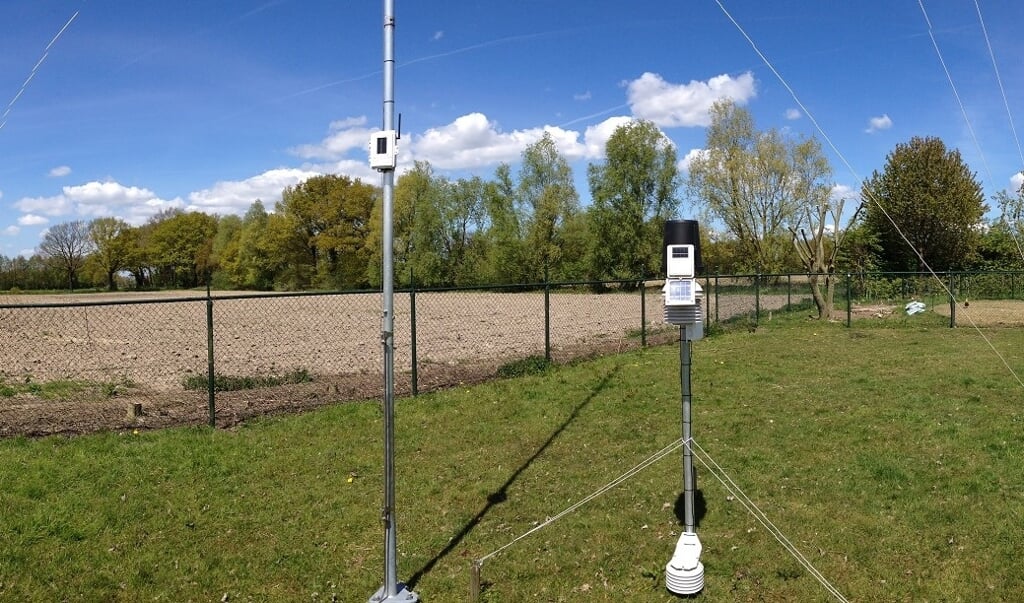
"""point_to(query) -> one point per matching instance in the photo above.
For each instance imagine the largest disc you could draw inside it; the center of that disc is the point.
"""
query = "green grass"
(890, 457)
(230, 383)
(63, 389)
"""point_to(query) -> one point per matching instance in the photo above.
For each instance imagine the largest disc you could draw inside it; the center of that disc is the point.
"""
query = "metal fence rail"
(168, 358)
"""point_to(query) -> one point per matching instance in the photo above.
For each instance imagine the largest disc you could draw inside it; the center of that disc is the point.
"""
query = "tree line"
(764, 197)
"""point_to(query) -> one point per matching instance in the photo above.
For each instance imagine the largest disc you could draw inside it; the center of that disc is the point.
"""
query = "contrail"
(32, 74)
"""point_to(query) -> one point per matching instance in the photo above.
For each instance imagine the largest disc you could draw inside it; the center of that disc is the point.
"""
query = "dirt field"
(979, 313)
(139, 348)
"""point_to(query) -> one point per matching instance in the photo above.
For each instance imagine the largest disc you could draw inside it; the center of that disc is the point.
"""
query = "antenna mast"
(383, 157)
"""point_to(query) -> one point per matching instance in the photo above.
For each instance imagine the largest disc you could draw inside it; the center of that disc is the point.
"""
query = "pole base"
(684, 574)
(403, 595)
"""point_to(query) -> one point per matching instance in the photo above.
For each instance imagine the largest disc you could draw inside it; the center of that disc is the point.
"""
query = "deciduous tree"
(67, 244)
(633, 192)
(925, 207)
(759, 184)
(111, 243)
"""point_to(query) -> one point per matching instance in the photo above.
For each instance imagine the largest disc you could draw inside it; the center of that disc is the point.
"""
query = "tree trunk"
(823, 301)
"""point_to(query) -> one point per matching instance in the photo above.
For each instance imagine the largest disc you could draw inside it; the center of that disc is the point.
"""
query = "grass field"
(889, 456)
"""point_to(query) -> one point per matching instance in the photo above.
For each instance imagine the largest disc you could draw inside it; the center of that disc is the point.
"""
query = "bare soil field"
(979, 313)
(118, 350)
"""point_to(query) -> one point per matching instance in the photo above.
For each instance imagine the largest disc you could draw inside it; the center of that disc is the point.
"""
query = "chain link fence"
(71, 364)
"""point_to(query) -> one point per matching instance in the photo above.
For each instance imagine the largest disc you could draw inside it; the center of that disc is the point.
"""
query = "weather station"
(683, 295)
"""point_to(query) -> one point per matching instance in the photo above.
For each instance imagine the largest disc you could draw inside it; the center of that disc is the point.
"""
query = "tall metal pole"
(685, 351)
(392, 590)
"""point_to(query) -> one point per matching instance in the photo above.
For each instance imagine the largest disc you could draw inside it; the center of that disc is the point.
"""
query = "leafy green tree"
(182, 247)
(256, 263)
(633, 192)
(416, 232)
(111, 241)
(67, 244)
(925, 207)
(332, 216)
(505, 251)
(224, 255)
(761, 185)
(462, 217)
(548, 201)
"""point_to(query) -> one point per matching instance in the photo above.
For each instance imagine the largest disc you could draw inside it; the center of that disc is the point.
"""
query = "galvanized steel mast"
(392, 590)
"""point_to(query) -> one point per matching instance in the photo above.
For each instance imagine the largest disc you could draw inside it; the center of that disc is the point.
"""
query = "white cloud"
(235, 196)
(473, 141)
(793, 114)
(596, 137)
(438, 35)
(882, 122)
(842, 191)
(344, 136)
(673, 105)
(1016, 181)
(583, 96)
(94, 199)
(59, 171)
(32, 220)
(684, 163)
(10, 231)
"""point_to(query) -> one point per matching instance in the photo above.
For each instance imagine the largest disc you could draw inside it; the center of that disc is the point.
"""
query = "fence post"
(707, 306)
(547, 316)
(849, 301)
(716, 296)
(952, 302)
(757, 298)
(643, 313)
(412, 335)
(211, 380)
(789, 292)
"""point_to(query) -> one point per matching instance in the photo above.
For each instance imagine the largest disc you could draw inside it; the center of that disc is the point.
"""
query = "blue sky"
(208, 105)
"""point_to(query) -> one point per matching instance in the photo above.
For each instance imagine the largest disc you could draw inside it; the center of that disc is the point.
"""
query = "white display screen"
(680, 292)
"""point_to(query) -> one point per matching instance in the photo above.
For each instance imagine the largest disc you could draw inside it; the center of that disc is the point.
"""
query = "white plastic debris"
(914, 307)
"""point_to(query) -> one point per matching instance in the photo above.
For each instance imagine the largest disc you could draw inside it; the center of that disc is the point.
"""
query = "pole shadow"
(700, 508)
(501, 494)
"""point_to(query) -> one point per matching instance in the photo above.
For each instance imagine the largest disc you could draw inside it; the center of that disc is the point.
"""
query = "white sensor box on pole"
(384, 150)
(680, 261)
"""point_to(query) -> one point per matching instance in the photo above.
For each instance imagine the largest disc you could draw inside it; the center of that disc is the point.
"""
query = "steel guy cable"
(657, 456)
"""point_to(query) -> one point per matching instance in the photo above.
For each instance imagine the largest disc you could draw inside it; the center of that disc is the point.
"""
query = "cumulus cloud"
(343, 137)
(793, 114)
(882, 122)
(673, 105)
(684, 163)
(583, 96)
(438, 35)
(32, 220)
(95, 199)
(842, 191)
(473, 141)
(235, 196)
(10, 231)
(59, 171)
(1016, 181)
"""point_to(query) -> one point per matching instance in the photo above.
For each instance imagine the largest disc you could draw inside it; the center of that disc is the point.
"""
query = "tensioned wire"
(32, 74)
(729, 484)
(866, 192)
(999, 80)
(721, 475)
(654, 458)
(963, 110)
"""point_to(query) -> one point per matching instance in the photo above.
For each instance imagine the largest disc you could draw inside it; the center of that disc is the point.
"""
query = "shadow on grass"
(700, 508)
(501, 494)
